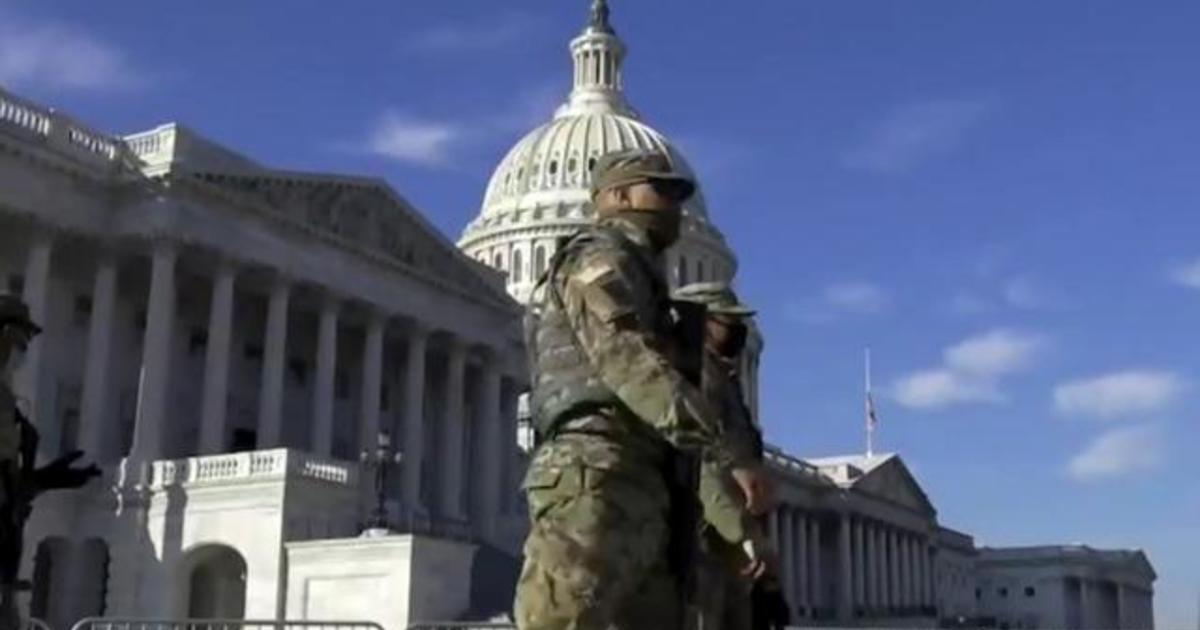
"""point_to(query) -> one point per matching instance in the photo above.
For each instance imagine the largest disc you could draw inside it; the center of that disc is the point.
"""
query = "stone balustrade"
(234, 468)
(776, 458)
(60, 132)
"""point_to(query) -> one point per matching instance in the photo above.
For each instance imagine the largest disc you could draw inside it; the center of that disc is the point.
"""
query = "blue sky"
(1000, 198)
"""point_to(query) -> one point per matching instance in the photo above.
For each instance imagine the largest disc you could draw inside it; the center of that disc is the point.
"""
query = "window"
(539, 261)
(299, 369)
(1003, 592)
(1029, 591)
(681, 271)
(517, 266)
(553, 167)
(253, 351)
(572, 164)
(16, 283)
(978, 593)
(591, 164)
(498, 261)
(197, 341)
(83, 309)
(341, 385)
(699, 271)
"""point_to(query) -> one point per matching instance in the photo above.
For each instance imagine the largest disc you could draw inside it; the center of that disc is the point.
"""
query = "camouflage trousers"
(722, 598)
(596, 556)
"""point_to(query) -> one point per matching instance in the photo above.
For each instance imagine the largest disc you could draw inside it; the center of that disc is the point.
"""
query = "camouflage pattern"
(725, 596)
(596, 556)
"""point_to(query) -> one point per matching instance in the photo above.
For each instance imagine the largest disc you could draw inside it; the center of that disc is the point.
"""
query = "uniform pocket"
(542, 478)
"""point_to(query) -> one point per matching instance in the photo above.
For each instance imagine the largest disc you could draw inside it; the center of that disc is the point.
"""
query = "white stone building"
(225, 339)
(1070, 586)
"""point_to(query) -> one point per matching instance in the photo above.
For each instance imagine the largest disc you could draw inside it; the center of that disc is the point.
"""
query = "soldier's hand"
(59, 474)
(756, 487)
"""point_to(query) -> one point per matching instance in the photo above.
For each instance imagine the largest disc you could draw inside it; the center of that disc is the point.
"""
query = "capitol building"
(243, 348)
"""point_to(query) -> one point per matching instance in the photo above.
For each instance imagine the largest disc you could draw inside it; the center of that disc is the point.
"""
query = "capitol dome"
(540, 191)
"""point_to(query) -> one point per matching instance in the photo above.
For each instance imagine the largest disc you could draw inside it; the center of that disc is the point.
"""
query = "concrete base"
(391, 580)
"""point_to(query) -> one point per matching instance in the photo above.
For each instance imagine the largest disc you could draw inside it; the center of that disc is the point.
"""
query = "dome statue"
(539, 192)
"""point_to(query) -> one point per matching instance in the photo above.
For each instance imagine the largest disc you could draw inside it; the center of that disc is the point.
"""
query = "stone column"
(1120, 621)
(882, 601)
(845, 569)
(414, 416)
(321, 440)
(1085, 613)
(451, 473)
(787, 551)
(906, 585)
(156, 356)
(27, 382)
(860, 566)
(94, 424)
(492, 449)
(815, 573)
(893, 570)
(870, 567)
(270, 403)
(372, 381)
(216, 361)
(800, 591)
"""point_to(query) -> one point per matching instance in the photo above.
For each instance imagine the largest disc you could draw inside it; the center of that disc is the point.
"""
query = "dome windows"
(518, 267)
(572, 164)
(553, 167)
(539, 261)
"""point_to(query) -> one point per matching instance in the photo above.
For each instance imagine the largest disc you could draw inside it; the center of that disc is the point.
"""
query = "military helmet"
(14, 312)
(719, 297)
(633, 166)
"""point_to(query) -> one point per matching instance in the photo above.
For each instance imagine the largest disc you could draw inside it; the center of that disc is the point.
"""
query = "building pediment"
(881, 476)
(370, 215)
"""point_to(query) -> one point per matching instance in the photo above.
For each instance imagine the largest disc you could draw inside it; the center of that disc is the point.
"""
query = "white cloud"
(60, 56)
(438, 142)
(971, 371)
(993, 353)
(937, 388)
(1187, 275)
(837, 300)
(1118, 395)
(915, 133)
(1119, 452)
(409, 139)
(490, 34)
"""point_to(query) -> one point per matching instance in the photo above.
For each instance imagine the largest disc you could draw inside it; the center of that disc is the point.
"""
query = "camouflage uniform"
(611, 408)
(724, 597)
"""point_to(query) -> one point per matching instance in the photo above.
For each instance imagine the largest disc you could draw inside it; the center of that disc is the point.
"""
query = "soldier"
(611, 411)
(735, 559)
(20, 481)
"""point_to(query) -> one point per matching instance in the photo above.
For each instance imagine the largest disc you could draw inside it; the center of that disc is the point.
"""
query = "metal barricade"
(219, 624)
(36, 624)
(462, 625)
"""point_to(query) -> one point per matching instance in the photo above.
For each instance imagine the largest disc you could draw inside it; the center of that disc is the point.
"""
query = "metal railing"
(96, 623)
(462, 625)
(35, 624)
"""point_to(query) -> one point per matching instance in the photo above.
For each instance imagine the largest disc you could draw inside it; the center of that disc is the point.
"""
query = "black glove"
(59, 474)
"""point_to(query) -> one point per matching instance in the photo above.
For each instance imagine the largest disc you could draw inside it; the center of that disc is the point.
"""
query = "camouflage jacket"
(616, 307)
(723, 504)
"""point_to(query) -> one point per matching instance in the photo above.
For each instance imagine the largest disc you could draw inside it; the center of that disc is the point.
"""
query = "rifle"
(683, 472)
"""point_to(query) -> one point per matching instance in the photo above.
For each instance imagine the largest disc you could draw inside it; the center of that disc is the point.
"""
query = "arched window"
(216, 580)
(681, 272)
(498, 261)
(699, 271)
(539, 261)
(517, 268)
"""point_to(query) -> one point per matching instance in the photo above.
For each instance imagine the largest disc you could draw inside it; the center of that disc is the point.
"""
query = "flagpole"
(870, 420)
